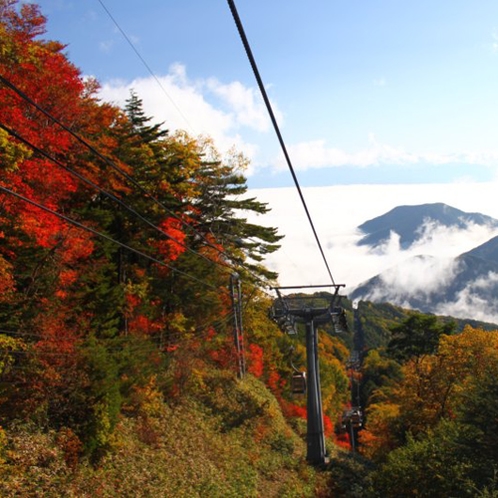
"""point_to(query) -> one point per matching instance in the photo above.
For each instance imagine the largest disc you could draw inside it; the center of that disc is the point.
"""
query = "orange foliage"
(132, 302)
(71, 446)
(274, 382)
(343, 441)
(224, 355)
(67, 277)
(6, 280)
(367, 439)
(141, 324)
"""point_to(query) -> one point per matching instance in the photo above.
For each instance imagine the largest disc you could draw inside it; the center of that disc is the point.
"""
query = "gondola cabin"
(298, 383)
(352, 418)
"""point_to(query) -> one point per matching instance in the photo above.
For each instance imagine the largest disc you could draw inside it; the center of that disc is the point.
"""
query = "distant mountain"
(409, 222)
(465, 286)
(372, 322)
(487, 251)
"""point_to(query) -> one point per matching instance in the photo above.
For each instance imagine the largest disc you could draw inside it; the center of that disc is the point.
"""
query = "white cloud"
(419, 277)
(446, 241)
(316, 154)
(201, 107)
(245, 103)
(469, 302)
(234, 116)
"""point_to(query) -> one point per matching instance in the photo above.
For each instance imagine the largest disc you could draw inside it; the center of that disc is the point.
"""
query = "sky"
(364, 92)
(379, 103)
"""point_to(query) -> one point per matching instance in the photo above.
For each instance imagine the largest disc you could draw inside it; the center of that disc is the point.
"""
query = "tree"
(478, 412)
(379, 375)
(219, 208)
(432, 466)
(417, 336)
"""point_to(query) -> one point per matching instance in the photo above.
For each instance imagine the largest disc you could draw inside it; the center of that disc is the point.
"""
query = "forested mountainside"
(122, 249)
(370, 324)
(137, 353)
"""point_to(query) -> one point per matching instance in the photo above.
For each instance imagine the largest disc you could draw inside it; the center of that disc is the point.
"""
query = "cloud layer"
(422, 270)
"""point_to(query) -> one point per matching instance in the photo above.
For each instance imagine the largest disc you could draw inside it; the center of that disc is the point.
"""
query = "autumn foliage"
(117, 242)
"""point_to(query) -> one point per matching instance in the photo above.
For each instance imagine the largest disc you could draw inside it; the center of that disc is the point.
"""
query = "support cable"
(144, 62)
(262, 89)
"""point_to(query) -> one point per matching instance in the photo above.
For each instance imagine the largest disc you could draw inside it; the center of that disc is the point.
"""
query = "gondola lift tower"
(286, 311)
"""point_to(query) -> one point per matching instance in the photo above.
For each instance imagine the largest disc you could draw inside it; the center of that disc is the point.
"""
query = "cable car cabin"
(352, 418)
(298, 383)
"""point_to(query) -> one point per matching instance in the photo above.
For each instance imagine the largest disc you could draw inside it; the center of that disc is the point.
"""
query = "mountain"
(409, 223)
(464, 286)
(372, 322)
(487, 251)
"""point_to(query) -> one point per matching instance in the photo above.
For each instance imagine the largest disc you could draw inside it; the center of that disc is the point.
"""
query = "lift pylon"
(311, 311)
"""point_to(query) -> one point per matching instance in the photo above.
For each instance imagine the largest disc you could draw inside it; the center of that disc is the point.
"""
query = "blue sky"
(365, 92)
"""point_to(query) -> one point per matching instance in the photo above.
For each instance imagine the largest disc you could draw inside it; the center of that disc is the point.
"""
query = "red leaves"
(25, 25)
(43, 227)
(255, 364)
(275, 382)
(174, 246)
(291, 410)
(328, 426)
(343, 441)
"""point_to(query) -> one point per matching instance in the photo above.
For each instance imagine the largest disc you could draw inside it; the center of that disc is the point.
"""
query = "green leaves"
(418, 335)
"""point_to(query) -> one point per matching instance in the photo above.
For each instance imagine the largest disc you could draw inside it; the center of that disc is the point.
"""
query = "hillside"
(371, 323)
(223, 437)
(137, 354)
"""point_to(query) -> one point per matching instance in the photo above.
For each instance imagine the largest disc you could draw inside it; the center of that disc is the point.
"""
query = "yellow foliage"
(11, 153)
(8, 346)
(431, 388)
(103, 423)
(150, 398)
(379, 437)
(3, 445)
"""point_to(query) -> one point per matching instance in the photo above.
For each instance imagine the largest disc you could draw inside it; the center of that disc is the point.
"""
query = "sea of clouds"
(337, 211)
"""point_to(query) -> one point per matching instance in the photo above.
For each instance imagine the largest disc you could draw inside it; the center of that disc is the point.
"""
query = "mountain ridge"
(408, 222)
(461, 286)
